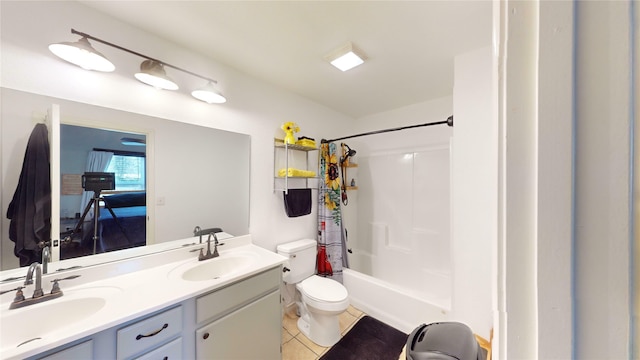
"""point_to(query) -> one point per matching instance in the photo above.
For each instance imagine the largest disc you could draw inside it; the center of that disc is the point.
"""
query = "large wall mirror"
(193, 175)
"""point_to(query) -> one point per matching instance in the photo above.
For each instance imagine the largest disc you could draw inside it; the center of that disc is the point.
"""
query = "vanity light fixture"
(209, 94)
(152, 71)
(346, 57)
(81, 53)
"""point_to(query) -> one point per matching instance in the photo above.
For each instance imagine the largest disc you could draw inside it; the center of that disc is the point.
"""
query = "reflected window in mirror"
(129, 169)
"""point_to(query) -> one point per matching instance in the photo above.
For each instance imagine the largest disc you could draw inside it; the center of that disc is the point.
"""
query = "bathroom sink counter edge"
(154, 284)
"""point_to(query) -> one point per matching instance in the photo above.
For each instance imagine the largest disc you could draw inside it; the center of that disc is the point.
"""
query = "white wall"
(563, 266)
(602, 175)
(253, 107)
(517, 287)
(474, 188)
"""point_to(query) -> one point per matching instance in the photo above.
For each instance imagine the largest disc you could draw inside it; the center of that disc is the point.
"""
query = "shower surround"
(400, 234)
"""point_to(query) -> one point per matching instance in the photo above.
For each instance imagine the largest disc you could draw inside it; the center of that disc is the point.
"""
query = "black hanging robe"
(30, 209)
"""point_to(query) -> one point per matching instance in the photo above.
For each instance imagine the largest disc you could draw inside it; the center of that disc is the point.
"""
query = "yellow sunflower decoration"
(290, 128)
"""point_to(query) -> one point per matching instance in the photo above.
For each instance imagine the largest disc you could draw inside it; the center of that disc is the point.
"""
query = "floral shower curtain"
(331, 234)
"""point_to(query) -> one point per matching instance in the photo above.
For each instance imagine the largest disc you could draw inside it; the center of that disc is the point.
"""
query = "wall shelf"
(350, 165)
(279, 143)
(288, 152)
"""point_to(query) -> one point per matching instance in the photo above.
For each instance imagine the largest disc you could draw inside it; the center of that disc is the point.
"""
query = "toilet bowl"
(321, 299)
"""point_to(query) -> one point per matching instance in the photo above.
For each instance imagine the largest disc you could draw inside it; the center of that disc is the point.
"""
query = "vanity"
(165, 305)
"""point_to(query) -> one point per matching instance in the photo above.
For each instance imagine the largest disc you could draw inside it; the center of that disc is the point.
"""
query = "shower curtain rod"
(449, 122)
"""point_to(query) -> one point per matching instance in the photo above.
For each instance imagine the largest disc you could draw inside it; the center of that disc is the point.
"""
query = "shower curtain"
(331, 234)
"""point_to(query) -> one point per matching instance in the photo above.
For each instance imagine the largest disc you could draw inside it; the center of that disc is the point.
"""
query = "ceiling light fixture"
(133, 141)
(152, 71)
(81, 53)
(346, 57)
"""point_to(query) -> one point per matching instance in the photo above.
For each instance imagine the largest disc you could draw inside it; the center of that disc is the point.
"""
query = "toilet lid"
(324, 289)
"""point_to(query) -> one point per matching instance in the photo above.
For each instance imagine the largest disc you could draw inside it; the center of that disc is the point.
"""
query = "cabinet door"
(252, 332)
(80, 351)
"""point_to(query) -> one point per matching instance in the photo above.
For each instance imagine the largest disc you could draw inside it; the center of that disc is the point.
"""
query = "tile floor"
(296, 346)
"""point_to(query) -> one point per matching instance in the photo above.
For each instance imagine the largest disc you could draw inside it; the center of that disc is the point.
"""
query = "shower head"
(350, 152)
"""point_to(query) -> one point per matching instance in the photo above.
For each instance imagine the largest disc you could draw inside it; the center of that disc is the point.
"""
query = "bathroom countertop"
(141, 286)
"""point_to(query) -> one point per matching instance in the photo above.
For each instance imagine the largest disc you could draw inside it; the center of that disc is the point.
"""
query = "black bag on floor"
(444, 341)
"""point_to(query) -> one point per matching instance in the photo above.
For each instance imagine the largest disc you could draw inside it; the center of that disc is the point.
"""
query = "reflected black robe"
(30, 208)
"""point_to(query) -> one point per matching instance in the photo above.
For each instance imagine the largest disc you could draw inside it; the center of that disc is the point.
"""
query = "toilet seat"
(324, 293)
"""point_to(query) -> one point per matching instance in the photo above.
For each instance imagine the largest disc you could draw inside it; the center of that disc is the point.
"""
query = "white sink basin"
(215, 268)
(33, 323)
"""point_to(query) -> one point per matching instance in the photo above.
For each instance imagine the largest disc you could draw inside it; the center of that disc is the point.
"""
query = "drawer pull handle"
(140, 336)
(205, 336)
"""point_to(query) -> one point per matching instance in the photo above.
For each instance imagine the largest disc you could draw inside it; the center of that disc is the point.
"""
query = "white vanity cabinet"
(241, 321)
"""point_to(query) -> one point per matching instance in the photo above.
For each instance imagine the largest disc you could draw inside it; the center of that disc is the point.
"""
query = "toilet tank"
(302, 259)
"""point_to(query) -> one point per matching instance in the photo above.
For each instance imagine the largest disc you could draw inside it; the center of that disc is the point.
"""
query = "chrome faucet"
(38, 295)
(197, 231)
(210, 255)
(37, 292)
(46, 257)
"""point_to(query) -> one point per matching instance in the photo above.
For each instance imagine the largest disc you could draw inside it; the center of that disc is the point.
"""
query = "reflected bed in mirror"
(194, 175)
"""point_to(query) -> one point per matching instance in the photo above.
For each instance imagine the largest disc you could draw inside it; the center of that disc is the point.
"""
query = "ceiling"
(410, 45)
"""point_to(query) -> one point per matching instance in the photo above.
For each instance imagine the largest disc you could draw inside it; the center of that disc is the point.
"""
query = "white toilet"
(322, 299)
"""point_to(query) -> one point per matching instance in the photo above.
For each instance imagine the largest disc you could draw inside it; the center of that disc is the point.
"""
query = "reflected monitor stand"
(95, 202)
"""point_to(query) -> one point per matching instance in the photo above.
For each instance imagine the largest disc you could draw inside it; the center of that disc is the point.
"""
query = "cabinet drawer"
(149, 332)
(170, 351)
(237, 295)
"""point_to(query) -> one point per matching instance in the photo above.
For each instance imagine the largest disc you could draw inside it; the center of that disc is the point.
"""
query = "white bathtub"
(393, 305)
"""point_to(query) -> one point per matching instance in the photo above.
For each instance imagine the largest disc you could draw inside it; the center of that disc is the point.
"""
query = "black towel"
(30, 208)
(297, 202)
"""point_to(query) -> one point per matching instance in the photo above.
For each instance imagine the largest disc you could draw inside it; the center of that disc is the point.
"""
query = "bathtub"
(392, 304)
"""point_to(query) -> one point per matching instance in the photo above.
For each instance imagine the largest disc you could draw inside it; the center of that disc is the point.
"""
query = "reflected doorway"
(120, 220)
